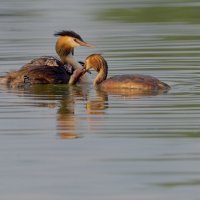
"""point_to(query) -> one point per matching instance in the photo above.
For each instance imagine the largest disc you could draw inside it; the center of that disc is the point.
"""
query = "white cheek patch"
(72, 42)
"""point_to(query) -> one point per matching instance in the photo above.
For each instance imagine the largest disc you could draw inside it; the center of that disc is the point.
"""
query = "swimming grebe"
(47, 69)
(134, 81)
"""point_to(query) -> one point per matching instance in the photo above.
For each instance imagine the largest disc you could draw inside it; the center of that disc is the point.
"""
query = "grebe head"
(95, 61)
(99, 64)
(67, 41)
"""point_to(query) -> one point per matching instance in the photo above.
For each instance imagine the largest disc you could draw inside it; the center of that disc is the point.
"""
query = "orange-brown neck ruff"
(62, 48)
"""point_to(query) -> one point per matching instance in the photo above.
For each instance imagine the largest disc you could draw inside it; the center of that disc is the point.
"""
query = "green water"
(154, 14)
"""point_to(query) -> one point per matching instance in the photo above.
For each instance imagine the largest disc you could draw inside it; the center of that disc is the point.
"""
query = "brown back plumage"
(42, 70)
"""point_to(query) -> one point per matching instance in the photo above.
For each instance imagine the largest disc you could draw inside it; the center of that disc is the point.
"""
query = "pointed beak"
(84, 70)
(82, 43)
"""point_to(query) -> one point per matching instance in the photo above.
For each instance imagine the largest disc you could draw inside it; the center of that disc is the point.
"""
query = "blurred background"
(59, 142)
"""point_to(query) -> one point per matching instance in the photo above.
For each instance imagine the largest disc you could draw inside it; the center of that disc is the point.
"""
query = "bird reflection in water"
(64, 99)
(66, 120)
(70, 120)
(98, 104)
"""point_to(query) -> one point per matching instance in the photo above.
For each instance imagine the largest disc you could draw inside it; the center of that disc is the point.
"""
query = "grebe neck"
(65, 52)
(102, 70)
(63, 48)
(69, 59)
(76, 65)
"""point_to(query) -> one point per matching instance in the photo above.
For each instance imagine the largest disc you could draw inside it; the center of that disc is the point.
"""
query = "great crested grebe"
(47, 69)
(131, 81)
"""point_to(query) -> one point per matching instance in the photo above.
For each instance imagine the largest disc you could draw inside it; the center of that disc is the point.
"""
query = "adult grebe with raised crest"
(47, 69)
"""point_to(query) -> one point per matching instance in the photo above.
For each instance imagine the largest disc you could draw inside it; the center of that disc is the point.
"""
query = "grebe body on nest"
(47, 69)
(132, 81)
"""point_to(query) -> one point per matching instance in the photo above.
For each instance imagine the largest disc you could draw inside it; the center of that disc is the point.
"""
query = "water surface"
(59, 142)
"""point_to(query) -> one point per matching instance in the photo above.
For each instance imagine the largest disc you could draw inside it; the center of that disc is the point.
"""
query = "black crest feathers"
(68, 33)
